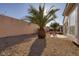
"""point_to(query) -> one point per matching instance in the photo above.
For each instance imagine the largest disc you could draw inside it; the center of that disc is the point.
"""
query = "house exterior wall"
(65, 25)
(77, 40)
(71, 23)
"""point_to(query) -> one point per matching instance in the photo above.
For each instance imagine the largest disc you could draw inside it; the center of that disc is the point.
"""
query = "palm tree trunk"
(41, 33)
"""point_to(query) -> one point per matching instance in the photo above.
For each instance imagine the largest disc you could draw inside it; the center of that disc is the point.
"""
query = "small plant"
(55, 27)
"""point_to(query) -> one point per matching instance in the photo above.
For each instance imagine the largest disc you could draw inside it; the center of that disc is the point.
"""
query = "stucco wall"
(77, 40)
(76, 36)
(65, 25)
(11, 26)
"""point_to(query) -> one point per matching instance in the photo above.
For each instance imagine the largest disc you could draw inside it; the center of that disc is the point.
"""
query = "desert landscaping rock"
(54, 46)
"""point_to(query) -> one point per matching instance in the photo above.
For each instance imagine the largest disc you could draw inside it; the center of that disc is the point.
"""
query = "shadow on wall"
(6, 42)
(37, 47)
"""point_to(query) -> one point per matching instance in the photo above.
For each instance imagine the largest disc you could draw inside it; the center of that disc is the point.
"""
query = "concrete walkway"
(59, 36)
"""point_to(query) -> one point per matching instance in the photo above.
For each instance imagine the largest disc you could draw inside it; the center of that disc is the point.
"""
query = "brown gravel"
(48, 47)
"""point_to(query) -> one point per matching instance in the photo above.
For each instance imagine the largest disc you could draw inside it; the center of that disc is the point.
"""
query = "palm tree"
(37, 16)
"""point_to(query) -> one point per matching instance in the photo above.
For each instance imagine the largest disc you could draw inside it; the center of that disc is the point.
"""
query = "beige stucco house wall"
(71, 21)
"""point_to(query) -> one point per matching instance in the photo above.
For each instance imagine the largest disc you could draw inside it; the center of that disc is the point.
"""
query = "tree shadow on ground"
(37, 47)
(9, 41)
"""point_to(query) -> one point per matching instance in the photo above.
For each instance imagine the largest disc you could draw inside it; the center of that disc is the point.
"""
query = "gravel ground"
(45, 47)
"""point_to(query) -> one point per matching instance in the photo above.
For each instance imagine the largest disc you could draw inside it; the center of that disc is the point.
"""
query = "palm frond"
(51, 18)
(51, 12)
(37, 15)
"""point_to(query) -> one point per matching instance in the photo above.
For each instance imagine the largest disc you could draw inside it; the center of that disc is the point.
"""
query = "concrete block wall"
(10, 26)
